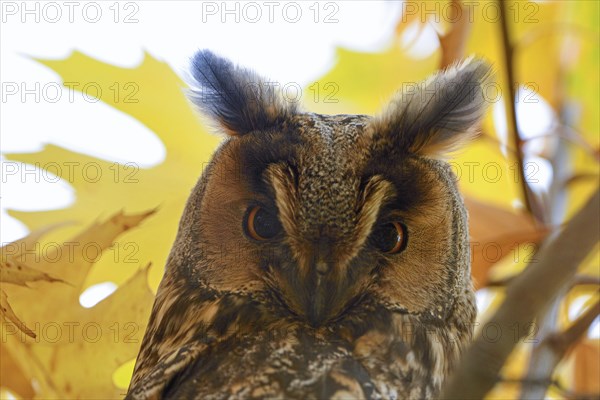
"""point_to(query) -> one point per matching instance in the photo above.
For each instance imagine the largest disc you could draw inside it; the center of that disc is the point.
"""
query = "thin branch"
(562, 342)
(501, 283)
(543, 32)
(510, 107)
(579, 280)
(568, 394)
(543, 360)
(578, 178)
(572, 139)
(529, 382)
(586, 280)
(571, 136)
(526, 297)
(552, 349)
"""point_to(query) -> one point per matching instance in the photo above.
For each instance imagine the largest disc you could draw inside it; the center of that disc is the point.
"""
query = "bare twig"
(577, 281)
(510, 107)
(569, 135)
(586, 280)
(562, 342)
(552, 349)
(543, 32)
(579, 178)
(543, 359)
(501, 283)
(568, 394)
(526, 297)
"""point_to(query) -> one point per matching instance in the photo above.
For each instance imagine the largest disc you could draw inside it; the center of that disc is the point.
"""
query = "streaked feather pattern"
(317, 311)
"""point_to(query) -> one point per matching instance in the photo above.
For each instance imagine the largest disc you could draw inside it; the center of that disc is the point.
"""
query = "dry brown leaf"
(587, 367)
(411, 13)
(454, 42)
(495, 232)
(16, 272)
(13, 377)
(8, 314)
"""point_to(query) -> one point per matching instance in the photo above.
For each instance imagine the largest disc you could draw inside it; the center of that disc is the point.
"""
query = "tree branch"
(568, 394)
(579, 280)
(586, 280)
(552, 349)
(562, 342)
(527, 297)
(511, 111)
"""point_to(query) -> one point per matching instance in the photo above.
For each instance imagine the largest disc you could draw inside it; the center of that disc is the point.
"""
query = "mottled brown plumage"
(318, 310)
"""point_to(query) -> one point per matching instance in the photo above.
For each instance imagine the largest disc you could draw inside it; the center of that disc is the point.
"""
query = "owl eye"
(390, 238)
(260, 224)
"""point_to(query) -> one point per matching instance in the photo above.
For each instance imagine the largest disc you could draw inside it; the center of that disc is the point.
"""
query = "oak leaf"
(71, 351)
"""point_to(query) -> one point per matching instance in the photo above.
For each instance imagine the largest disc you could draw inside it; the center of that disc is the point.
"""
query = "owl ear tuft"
(437, 116)
(238, 99)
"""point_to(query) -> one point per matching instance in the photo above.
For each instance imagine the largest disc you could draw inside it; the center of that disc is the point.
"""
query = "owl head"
(313, 214)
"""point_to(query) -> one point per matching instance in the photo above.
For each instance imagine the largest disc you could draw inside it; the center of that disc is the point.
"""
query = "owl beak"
(319, 302)
(317, 310)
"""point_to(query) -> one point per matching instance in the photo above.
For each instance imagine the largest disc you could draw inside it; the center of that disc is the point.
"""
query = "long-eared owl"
(319, 256)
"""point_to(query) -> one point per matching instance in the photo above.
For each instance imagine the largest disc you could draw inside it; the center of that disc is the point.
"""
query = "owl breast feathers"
(318, 256)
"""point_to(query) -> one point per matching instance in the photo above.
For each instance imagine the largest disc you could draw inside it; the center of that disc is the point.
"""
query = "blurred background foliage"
(534, 165)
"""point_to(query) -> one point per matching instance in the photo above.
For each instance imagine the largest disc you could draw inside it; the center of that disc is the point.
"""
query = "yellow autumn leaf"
(76, 350)
(29, 242)
(155, 97)
(15, 272)
(362, 82)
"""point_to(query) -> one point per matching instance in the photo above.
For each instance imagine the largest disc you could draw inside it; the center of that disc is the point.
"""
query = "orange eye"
(260, 224)
(390, 238)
